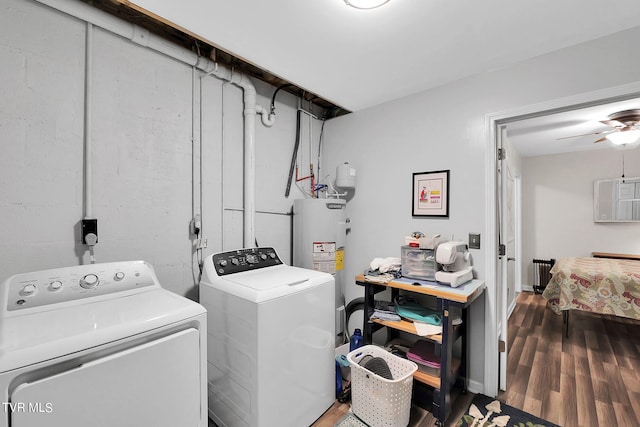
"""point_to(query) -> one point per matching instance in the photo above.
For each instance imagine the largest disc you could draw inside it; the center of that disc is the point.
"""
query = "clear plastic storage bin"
(418, 263)
(378, 401)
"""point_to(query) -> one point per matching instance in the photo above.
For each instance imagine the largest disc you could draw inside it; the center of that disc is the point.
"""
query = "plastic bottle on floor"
(356, 340)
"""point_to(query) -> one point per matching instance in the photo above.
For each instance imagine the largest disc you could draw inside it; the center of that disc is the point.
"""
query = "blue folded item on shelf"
(411, 310)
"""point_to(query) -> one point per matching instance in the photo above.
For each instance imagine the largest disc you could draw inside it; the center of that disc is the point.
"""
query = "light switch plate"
(474, 240)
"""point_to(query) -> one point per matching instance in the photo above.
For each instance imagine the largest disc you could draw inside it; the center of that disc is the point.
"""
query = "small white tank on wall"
(319, 234)
(346, 176)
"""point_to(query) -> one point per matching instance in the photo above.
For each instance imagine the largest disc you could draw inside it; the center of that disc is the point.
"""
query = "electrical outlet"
(90, 229)
(474, 240)
(196, 225)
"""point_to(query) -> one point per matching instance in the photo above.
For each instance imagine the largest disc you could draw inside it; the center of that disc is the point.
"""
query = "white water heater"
(320, 227)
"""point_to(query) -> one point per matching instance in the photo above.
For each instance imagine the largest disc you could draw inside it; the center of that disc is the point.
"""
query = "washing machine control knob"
(118, 276)
(89, 281)
(29, 290)
(223, 263)
(56, 285)
(235, 261)
(263, 256)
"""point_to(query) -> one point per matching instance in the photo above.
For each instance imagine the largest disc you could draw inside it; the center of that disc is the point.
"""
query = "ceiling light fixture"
(365, 4)
(625, 136)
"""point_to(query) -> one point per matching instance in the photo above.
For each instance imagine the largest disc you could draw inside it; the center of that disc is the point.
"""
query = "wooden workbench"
(453, 371)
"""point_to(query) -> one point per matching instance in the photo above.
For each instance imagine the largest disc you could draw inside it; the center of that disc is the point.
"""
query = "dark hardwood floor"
(590, 379)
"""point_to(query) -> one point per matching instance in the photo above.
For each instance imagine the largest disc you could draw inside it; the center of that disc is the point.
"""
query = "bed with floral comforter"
(599, 285)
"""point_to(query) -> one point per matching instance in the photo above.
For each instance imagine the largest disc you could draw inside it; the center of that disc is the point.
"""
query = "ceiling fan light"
(624, 137)
(365, 4)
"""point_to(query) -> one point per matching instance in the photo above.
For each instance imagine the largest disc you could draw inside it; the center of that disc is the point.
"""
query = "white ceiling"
(360, 58)
(540, 135)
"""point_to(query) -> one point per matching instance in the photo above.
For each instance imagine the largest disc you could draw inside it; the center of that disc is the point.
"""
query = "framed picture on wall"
(431, 194)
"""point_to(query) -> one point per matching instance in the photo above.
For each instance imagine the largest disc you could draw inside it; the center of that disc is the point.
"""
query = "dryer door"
(154, 384)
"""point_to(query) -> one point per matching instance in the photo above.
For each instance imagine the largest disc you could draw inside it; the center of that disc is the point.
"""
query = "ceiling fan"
(626, 128)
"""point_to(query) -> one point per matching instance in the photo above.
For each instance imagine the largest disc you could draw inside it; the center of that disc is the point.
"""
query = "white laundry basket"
(378, 401)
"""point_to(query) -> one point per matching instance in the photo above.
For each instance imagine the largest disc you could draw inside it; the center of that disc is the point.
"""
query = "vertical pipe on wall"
(196, 175)
(88, 187)
(249, 170)
(196, 157)
(222, 170)
(251, 109)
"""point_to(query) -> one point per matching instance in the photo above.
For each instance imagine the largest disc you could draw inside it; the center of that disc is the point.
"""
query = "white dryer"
(100, 345)
(271, 340)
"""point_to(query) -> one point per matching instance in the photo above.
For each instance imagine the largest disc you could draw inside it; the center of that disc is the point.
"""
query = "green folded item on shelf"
(413, 311)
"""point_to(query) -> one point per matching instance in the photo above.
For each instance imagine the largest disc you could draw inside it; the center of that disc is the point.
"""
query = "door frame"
(492, 121)
(511, 214)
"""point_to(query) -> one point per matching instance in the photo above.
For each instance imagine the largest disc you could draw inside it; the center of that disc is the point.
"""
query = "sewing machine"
(455, 260)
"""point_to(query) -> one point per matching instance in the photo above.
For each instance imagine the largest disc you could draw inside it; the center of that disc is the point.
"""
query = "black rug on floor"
(487, 411)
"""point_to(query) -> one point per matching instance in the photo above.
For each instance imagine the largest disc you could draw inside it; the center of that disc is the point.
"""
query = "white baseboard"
(475, 387)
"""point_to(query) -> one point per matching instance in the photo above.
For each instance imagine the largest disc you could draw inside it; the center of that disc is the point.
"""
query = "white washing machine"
(100, 345)
(271, 340)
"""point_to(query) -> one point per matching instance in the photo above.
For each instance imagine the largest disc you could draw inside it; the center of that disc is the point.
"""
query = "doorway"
(495, 303)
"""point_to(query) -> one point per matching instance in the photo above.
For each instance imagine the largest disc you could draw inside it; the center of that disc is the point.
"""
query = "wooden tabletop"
(614, 256)
(464, 293)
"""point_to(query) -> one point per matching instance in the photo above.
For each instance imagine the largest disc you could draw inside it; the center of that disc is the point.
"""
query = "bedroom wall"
(165, 144)
(444, 128)
(557, 206)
